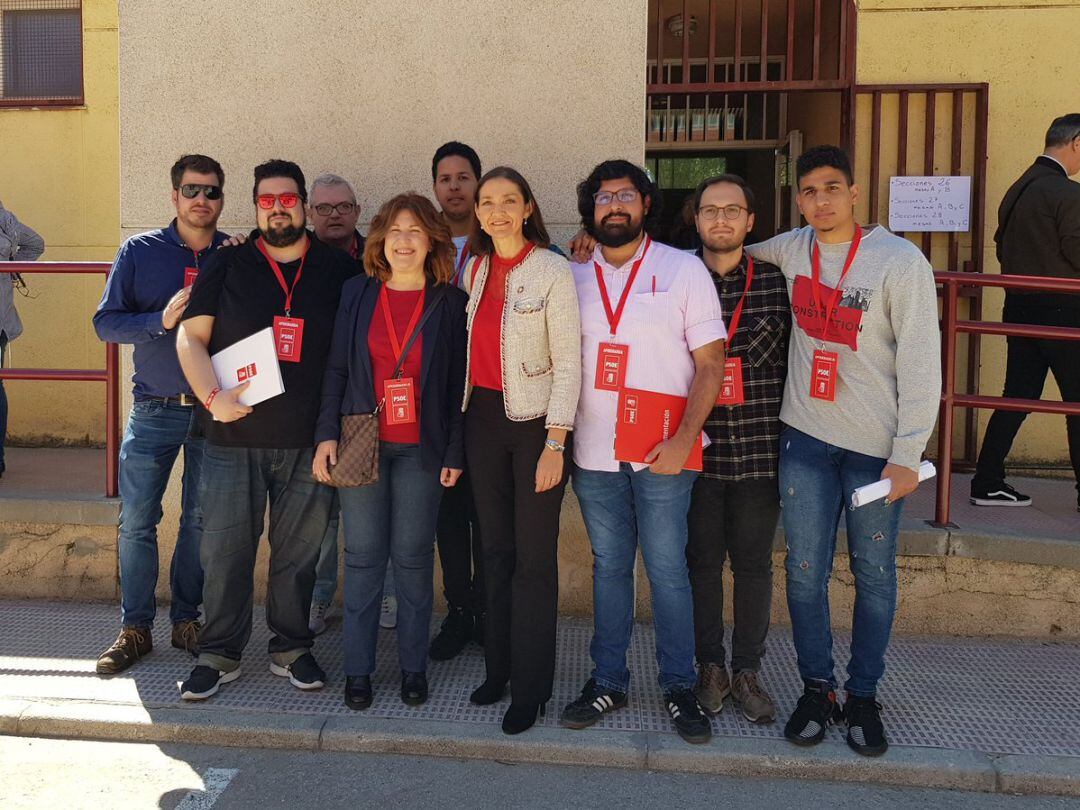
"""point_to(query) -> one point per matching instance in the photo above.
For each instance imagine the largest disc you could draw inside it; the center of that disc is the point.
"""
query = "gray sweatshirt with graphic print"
(885, 334)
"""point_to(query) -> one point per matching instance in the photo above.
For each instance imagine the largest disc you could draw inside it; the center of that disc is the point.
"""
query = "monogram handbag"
(358, 447)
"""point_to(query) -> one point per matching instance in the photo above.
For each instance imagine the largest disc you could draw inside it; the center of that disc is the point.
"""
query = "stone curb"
(902, 766)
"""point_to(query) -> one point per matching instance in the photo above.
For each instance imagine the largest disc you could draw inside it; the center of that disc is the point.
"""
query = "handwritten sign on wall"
(924, 204)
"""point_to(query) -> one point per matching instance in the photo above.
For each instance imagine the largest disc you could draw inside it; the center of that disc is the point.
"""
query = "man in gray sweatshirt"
(864, 380)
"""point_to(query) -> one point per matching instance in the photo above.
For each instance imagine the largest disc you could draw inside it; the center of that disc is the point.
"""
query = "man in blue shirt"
(145, 296)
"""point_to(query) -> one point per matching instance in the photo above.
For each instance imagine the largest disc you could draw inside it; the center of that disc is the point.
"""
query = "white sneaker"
(388, 617)
(317, 617)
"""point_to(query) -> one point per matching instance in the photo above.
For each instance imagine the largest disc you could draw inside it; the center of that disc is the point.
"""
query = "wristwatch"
(551, 444)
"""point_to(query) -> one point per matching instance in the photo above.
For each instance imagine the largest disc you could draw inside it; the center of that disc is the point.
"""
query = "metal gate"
(931, 130)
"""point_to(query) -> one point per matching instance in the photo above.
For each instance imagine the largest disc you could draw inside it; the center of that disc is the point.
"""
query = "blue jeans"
(392, 519)
(622, 510)
(326, 570)
(816, 482)
(153, 439)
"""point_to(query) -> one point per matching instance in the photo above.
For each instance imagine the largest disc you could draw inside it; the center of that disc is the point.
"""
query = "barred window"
(41, 52)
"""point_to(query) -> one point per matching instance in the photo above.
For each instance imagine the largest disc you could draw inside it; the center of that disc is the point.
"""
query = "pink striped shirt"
(672, 310)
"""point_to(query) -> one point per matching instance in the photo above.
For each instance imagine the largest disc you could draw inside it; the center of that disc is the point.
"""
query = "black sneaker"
(204, 682)
(593, 703)
(690, 721)
(999, 495)
(303, 673)
(455, 633)
(815, 712)
(865, 733)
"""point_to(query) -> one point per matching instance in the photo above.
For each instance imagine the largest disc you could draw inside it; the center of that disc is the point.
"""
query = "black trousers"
(460, 553)
(520, 532)
(736, 520)
(1027, 362)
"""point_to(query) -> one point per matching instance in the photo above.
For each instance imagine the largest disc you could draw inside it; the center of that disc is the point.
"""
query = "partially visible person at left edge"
(18, 243)
(287, 279)
(145, 295)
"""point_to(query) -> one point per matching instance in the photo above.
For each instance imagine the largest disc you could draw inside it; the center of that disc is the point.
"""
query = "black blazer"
(349, 389)
(1042, 235)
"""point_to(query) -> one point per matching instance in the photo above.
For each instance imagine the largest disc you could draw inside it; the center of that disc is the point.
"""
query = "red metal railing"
(951, 327)
(110, 375)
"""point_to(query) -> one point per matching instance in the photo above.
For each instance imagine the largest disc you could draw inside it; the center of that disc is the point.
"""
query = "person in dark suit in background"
(1038, 235)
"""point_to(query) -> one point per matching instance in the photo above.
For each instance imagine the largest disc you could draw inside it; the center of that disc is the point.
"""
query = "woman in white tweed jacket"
(521, 390)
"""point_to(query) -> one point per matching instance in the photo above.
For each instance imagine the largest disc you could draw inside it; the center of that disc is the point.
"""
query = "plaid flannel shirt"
(746, 438)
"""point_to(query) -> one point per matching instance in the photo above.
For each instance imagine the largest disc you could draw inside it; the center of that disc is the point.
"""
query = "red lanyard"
(815, 268)
(733, 327)
(280, 277)
(616, 316)
(395, 344)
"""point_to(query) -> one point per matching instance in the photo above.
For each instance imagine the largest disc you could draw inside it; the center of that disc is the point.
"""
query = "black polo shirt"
(243, 295)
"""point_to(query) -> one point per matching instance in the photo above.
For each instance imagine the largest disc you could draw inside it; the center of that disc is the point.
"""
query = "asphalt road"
(40, 773)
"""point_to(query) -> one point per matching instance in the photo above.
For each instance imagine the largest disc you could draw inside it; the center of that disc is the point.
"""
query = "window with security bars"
(41, 52)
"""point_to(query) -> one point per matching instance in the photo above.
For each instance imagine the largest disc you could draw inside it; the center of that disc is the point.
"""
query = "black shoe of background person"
(593, 703)
(456, 630)
(3, 469)
(358, 694)
(132, 644)
(521, 717)
(690, 721)
(1000, 494)
(865, 731)
(487, 693)
(303, 673)
(414, 688)
(816, 710)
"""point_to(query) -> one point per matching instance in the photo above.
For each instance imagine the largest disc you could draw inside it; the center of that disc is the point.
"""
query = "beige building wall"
(59, 173)
(369, 90)
(1025, 50)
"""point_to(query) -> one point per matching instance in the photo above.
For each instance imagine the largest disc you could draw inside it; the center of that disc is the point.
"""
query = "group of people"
(808, 363)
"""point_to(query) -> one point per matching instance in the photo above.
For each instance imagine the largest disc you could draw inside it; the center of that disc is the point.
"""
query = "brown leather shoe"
(713, 685)
(750, 697)
(131, 645)
(185, 635)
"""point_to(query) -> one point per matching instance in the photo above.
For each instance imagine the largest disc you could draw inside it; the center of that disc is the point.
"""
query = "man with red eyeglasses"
(286, 278)
(145, 295)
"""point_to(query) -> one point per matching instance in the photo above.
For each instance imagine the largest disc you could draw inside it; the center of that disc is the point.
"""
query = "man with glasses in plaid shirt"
(735, 503)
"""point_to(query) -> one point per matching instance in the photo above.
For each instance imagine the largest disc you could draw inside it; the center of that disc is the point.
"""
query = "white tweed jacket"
(541, 338)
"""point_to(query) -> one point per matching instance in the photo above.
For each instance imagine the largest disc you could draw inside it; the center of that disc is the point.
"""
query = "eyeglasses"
(623, 195)
(191, 191)
(711, 212)
(288, 200)
(326, 209)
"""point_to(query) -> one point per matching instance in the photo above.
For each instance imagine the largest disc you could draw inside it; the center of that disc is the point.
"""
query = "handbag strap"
(440, 292)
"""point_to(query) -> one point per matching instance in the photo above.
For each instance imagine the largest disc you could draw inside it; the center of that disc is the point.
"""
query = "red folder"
(647, 418)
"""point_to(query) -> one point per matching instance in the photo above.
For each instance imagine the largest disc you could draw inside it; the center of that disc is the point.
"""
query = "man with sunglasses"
(287, 279)
(735, 504)
(145, 295)
(650, 320)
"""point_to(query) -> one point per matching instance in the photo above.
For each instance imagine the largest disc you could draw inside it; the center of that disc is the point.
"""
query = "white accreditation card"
(253, 359)
(880, 489)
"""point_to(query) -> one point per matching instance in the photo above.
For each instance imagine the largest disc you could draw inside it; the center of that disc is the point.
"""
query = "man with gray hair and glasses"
(334, 212)
(1038, 235)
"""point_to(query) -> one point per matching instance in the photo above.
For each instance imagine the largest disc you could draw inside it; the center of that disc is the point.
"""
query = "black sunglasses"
(191, 191)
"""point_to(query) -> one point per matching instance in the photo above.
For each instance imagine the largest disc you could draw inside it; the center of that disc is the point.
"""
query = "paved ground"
(102, 774)
(960, 712)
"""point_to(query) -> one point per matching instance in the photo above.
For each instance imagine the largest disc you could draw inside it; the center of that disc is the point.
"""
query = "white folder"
(252, 359)
(880, 489)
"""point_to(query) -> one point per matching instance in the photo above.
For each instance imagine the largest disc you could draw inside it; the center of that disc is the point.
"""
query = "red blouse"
(485, 360)
(402, 305)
